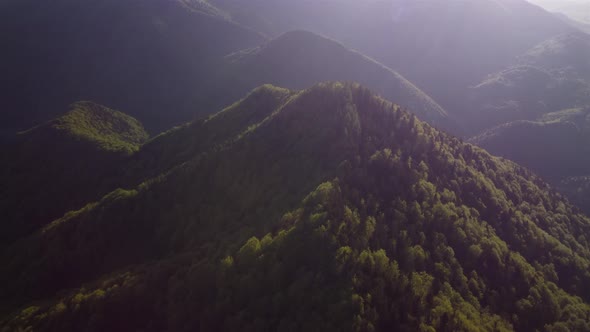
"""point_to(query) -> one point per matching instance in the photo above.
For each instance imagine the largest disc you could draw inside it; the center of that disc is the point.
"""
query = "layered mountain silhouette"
(299, 59)
(568, 53)
(552, 76)
(540, 107)
(166, 65)
(441, 46)
(153, 58)
(158, 68)
(327, 208)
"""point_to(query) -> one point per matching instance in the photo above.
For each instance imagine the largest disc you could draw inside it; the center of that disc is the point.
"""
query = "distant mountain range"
(147, 57)
(540, 107)
(52, 59)
(442, 47)
(293, 166)
(552, 144)
(551, 76)
(175, 73)
(298, 59)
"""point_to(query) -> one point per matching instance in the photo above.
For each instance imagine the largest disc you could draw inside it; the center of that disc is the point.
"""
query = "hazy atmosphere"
(576, 9)
(295, 165)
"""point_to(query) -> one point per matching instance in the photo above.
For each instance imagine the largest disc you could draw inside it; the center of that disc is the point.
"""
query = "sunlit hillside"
(295, 165)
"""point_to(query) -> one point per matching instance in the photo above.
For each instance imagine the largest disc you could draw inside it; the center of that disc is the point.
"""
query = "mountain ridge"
(552, 76)
(305, 53)
(107, 129)
(425, 41)
(550, 145)
(415, 214)
(67, 160)
(145, 57)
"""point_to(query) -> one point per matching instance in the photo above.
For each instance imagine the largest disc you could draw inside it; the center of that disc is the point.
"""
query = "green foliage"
(64, 164)
(549, 145)
(329, 209)
(108, 129)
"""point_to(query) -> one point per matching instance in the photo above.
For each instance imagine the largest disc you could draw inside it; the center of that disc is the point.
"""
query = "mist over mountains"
(333, 165)
(429, 42)
(578, 10)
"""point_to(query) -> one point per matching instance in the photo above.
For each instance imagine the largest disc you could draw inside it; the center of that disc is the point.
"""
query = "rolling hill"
(144, 56)
(568, 53)
(62, 164)
(322, 209)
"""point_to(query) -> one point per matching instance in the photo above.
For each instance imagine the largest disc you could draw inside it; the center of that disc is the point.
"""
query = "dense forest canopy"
(274, 165)
(329, 208)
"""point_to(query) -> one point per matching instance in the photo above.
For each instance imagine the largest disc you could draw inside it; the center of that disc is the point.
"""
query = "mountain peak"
(300, 58)
(330, 195)
(105, 128)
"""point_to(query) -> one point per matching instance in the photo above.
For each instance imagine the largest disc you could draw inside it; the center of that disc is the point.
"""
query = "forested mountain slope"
(540, 107)
(323, 209)
(62, 164)
(153, 58)
(577, 189)
(554, 145)
(568, 53)
(552, 76)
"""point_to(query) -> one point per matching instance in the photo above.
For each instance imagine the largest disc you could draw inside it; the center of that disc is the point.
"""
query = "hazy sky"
(553, 4)
(577, 9)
